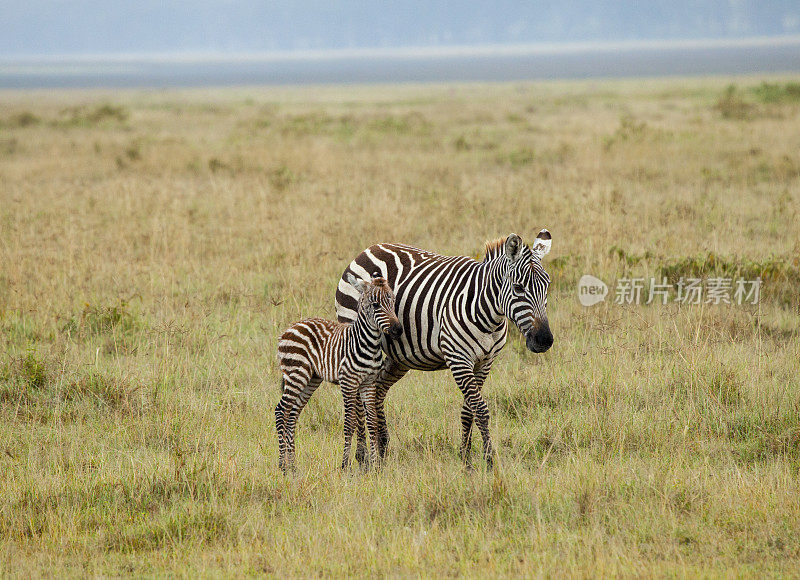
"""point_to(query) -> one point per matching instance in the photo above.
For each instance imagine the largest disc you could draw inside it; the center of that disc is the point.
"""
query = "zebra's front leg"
(368, 397)
(352, 409)
(464, 375)
(466, 433)
(361, 436)
(481, 372)
(390, 373)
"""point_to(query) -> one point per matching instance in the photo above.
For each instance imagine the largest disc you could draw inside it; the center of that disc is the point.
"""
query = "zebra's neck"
(364, 338)
(488, 308)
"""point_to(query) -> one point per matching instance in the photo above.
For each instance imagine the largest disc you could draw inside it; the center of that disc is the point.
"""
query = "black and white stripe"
(348, 354)
(453, 310)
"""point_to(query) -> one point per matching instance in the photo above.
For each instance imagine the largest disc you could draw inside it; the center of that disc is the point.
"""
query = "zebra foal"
(348, 354)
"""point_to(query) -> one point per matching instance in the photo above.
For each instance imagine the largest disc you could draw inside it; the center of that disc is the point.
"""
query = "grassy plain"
(153, 244)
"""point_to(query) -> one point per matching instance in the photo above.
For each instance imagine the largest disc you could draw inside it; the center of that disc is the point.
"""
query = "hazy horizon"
(85, 43)
(416, 51)
(51, 28)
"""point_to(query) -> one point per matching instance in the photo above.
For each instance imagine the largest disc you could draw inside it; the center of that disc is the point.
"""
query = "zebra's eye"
(519, 288)
(376, 304)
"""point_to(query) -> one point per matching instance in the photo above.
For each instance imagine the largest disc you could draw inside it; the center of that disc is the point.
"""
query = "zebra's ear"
(513, 247)
(542, 244)
(356, 283)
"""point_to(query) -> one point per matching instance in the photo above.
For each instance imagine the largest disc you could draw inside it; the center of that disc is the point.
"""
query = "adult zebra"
(453, 310)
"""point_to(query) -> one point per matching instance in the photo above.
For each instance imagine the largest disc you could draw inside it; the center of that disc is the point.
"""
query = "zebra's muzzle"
(396, 330)
(539, 340)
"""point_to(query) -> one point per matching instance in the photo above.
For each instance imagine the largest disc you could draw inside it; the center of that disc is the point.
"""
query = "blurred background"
(154, 43)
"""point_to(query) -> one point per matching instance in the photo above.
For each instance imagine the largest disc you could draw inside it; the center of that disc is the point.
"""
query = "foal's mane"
(380, 283)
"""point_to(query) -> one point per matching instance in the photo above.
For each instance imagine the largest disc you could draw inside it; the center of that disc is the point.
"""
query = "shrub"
(22, 119)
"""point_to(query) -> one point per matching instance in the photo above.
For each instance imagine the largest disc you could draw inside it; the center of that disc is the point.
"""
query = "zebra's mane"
(495, 248)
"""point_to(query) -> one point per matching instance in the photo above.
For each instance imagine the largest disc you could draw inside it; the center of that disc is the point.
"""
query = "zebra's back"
(314, 346)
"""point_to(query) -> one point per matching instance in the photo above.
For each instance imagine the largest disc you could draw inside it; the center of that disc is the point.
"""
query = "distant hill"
(39, 27)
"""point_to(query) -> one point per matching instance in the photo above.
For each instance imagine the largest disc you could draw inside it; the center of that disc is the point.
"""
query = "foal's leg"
(361, 436)
(352, 408)
(280, 424)
(294, 413)
(368, 398)
(294, 382)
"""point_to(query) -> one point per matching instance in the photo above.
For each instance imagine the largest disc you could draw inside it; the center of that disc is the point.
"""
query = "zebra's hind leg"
(291, 421)
(294, 383)
(282, 409)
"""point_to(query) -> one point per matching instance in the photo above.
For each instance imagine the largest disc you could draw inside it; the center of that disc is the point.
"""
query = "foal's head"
(376, 304)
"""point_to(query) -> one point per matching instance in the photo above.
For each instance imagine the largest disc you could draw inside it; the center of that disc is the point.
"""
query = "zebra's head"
(376, 303)
(524, 290)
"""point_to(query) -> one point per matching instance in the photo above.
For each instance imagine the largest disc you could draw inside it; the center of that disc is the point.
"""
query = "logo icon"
(591, 290)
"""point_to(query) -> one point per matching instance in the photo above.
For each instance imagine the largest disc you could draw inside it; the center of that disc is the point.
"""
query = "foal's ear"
(513, 247)
(356, 283)
(542, 244)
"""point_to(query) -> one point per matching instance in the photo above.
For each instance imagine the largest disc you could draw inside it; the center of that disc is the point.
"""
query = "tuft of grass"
(29, 371)
(517, 157)
(461, 144)
(102, 389)
(282, 177)
(400, 124)
(628, 258)
(629, 129)
(96, 320)
(725, 386)
(317, 123)
(215, 165)
(732, 105)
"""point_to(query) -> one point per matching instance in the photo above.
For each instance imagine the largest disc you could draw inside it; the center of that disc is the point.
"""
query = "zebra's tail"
(283, 384)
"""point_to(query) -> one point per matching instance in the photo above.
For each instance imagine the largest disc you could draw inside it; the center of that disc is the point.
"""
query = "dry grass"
(154, 244)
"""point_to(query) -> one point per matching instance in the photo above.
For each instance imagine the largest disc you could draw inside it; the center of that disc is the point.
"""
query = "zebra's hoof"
(361, 456)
